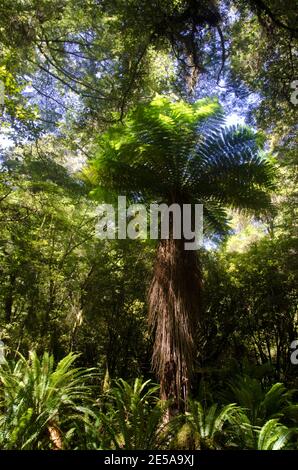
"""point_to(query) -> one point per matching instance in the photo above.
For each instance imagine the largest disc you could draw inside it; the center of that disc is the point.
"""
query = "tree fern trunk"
(173, 298)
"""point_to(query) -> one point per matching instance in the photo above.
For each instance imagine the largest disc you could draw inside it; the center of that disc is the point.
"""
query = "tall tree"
(173, 152)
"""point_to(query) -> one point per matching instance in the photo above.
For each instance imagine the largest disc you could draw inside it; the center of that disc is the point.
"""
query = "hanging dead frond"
(173, 299)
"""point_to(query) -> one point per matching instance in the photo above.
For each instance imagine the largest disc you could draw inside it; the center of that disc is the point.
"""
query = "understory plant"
(40, 401)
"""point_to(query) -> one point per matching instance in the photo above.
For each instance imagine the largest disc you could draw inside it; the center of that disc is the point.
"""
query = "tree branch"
(262, 7)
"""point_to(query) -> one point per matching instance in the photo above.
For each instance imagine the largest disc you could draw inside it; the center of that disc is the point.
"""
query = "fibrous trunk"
(173, 300)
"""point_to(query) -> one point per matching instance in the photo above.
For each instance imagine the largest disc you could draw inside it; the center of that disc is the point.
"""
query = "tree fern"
(175, 152)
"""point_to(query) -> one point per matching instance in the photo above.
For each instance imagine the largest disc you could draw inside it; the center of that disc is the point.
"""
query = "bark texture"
(173, 299)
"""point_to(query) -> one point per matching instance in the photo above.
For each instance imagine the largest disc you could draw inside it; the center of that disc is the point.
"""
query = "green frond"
(34, 393)
(273, 436)
(181, 152)
(135, 416)
(208, 423)
(261, 404)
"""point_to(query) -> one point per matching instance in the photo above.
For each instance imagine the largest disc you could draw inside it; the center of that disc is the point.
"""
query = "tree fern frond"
(167, 150)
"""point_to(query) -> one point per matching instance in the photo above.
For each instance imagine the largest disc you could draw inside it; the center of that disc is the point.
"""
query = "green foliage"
(179, 152)
(261, 48)
(44, 227)
(261, 404)
(250, 300)
(36, 396)
(207, 426)
(271, 436)
(43, 406)
(79, 80)
(135, 415)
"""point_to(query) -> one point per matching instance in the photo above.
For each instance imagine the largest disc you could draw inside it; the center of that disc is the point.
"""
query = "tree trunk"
(173, 298)
(55, 436)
